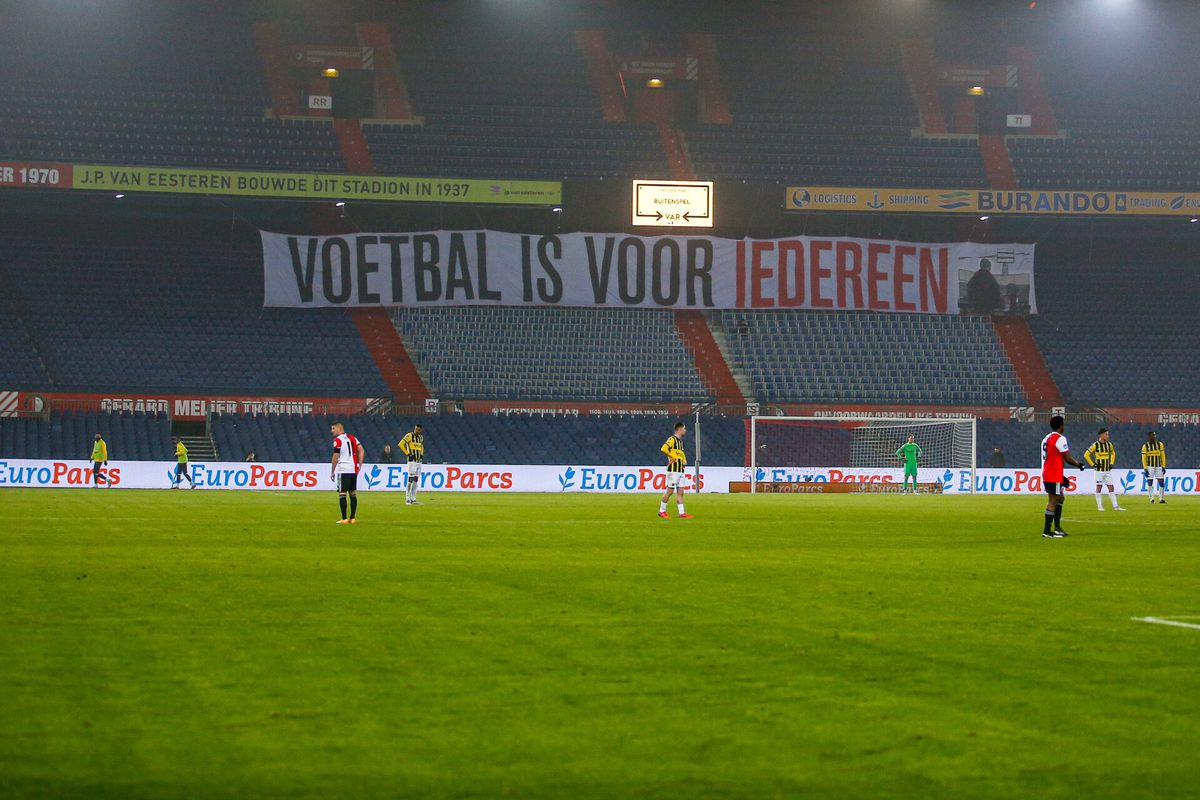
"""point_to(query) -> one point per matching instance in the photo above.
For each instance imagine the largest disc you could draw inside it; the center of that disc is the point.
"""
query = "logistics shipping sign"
(1033, 202)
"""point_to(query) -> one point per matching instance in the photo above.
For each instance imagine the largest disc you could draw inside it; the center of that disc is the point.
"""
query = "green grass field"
(229, 644)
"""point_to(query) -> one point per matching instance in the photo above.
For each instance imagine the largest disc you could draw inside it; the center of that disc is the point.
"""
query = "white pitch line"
(1161, 621)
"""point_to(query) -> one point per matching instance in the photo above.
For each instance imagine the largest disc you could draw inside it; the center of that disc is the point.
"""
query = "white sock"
(1112, 495)
(662, 507)
(680, 507)
(1100, 499)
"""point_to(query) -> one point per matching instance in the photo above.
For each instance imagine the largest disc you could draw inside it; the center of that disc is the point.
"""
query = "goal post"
(857, 443)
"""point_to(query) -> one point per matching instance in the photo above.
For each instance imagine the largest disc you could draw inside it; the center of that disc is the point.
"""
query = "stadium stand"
(21, 367)
(154, 95)
(483, 438)
(500, 108)
(80, 298)
(795, 443)
(491, 439)
(848, 122)
(1021, 443)
(1131, 339)
(551, 354)
(1125, 124)
(90, 124)
(1116, 147)
(870, 358)
(131, 436)
(96, 294)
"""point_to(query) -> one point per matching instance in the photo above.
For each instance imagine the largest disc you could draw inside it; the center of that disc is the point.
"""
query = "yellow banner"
(992, 201)
(309, 185)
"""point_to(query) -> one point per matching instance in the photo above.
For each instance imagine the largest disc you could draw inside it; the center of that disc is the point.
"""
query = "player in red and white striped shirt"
(1054, 452)
(343, 469)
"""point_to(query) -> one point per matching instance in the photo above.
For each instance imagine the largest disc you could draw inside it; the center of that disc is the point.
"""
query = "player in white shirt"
(343, 469)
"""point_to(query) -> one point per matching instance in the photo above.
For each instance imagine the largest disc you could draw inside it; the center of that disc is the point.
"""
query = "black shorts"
(348, 482)
(97, 466)
(1055, 489)
(181, 468)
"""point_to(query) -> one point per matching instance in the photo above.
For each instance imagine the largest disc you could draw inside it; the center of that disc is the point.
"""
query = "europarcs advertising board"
(565, 478)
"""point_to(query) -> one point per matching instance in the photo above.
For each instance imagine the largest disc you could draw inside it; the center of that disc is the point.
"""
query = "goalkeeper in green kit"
(910, 452)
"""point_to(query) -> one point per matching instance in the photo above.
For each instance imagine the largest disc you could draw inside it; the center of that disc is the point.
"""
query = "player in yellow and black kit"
(1102, 455)
(413, 447)
(1154, 467)
(181, 467)
(676, 462)
(99, 460)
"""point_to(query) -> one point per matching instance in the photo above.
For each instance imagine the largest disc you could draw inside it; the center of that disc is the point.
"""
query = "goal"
(856, 443)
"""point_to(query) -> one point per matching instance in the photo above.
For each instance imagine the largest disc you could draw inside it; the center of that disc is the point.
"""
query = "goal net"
(781, 448)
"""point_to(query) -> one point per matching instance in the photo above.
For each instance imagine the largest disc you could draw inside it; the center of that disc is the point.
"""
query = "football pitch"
(238, 644)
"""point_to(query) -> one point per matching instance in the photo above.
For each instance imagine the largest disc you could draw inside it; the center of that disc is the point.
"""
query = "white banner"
(593, 270)
(987, 481)
(546, 478)
(374, 477)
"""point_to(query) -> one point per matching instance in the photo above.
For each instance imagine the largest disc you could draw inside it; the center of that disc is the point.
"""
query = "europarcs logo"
(395, 478)
(566, 480)
(372, 476)
(760, 476)
(621, 479)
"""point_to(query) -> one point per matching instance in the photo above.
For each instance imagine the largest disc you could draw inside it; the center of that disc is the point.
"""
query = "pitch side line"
(1161, 621)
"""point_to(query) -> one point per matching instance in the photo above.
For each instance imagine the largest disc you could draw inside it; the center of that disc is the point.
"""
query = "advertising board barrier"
(268, 183)
(74, 473)
(180, 406)
(1035, 202)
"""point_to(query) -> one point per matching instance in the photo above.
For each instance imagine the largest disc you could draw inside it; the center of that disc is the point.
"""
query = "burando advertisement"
(992, 201)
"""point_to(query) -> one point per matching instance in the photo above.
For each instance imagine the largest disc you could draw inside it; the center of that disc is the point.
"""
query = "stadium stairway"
(710, 360)
(714, 107)
(918, 65)
(390, 355)
(201, 448)
(273, 55)
(392, 88)
(1032, 94)
(374, 326)
(354, 146)
(675, 149)
(23, 345)
(996, 162)
(1016, 339)
(1027, 362)
(656, 107)
(740, 377)
(595, 50)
